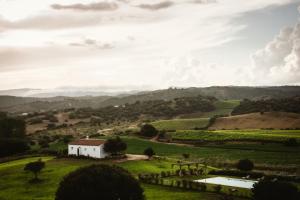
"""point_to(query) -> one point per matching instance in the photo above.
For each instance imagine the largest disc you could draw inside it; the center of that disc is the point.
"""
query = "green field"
(14, 180)
(196, 120)
(181, 124)
(137, 146)
(273, 135)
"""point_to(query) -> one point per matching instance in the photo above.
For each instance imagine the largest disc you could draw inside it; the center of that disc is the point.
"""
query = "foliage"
(185, 155)
(12, 128)
(274, 190)
(115, 146)
(149, 152)
(150, 108)
(148, 130)
(35, 167)
(283, 105)
(245, 165)
(10, 146)
(99, 182)
(291, 142)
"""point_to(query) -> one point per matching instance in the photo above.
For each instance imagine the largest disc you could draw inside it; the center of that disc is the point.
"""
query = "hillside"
(275, 120)
(28, 104)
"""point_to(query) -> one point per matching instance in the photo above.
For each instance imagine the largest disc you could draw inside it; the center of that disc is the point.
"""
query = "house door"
(78, 151)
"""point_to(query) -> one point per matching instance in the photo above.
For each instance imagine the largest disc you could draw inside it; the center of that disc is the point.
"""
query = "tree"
(185, 155)
(99, 182)
(274, 190)
(245, 165)
(11, 146)
(115, 146)
(12, 128)
(148, 130)
(149, 152)
(35, 167)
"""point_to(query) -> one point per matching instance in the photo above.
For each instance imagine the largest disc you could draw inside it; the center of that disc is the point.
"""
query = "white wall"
(91, 151)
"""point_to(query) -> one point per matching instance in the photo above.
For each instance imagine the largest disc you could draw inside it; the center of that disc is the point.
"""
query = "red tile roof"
(87, 142)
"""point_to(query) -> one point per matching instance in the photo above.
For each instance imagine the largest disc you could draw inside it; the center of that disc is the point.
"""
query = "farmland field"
(272, 135)
(181, 124)
(137, 146)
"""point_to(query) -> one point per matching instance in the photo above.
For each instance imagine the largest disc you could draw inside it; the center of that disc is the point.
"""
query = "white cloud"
(124, 45)
(279, 61)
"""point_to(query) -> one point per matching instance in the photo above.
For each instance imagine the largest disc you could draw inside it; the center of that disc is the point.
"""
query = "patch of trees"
(12, 136)
(275, 190)
(115, 146)
(280, 105)
(100, 182)
(153, 108)
(148, 130)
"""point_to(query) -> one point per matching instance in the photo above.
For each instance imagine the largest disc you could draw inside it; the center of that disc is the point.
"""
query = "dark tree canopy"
(149, 152)
(12, 146)
(274, 190)
(35, 167)
(245, 165)
(97, 182)
(148, 130)
(12, 128)
(115, 146)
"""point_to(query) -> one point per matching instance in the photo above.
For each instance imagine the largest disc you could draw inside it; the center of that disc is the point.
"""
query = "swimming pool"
(233, 182)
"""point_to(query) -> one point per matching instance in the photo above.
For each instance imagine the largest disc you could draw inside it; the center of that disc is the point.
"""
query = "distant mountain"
(30, 104)
(73, 91)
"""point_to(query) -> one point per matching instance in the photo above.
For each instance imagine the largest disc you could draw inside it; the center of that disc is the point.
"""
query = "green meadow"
(14, 180)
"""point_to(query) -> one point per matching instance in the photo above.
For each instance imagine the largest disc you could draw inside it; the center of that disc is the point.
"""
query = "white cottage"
(87, 147)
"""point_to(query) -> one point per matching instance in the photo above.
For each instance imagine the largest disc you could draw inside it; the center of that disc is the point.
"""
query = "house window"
(72, 148)
(94, 149)
(85, 149)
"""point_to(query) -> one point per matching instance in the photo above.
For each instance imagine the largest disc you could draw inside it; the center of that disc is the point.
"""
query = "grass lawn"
(181, 124)
(14, 180)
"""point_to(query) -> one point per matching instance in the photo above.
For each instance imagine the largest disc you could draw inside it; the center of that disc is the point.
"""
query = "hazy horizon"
(138, 45)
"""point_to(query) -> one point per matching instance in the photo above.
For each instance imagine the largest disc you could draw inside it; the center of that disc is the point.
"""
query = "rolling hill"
(29, 104)
(268, 120)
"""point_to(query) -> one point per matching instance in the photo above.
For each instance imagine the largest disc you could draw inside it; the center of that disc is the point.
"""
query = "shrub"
(115, 146)
(274, 190)
(245, 165)
(148, 130)
(149, 152)
(99, 182)
(218, 188)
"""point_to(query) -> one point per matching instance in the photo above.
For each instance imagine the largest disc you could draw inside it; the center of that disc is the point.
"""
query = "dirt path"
(132, 157)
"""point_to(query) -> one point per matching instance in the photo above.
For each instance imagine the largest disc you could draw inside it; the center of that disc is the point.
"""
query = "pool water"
(233, 182)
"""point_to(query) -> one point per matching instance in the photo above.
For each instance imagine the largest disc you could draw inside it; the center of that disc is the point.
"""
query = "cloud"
(92, 43)
(99, 6)
(279, 61)
(157, 6)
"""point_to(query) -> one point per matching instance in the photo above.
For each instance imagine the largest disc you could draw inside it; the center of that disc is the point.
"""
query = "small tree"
(115, 146)
(185, 155)
(274, 190)
(35, 167)
(148, 130)
(149, 152)
(245, 165)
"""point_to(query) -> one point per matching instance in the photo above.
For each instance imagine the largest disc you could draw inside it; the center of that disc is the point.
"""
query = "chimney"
(87, 137)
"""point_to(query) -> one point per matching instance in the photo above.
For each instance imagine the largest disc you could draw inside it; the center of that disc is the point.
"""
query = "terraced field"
(218, 135)
(181, 124)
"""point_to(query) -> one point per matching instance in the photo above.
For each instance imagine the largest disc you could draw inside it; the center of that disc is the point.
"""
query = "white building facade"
(87, 147)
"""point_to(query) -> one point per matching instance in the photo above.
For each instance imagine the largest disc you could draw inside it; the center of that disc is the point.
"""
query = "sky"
(151, 44)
